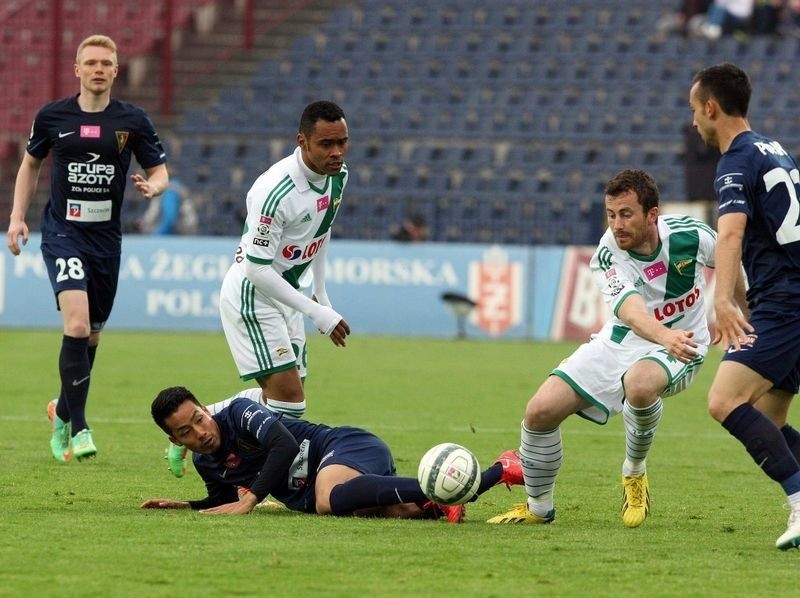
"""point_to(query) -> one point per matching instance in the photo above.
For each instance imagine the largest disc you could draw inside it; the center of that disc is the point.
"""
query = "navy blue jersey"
(243, 427)
(757, 177)
(91, 155)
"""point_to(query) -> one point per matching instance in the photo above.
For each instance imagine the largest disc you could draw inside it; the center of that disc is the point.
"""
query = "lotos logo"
(671, 308)
(293, 252)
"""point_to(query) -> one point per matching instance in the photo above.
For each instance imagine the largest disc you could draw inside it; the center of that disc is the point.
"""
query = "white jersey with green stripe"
(671, 280)
(289, 218)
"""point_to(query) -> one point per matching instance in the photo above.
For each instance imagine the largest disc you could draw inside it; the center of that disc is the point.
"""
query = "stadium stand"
(499, 122)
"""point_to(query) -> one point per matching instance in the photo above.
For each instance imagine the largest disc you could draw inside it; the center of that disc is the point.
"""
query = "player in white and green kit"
(649, 269)
(290, 210)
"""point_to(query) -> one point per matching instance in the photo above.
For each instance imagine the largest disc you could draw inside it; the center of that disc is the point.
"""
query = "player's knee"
(541, 415)
(717, 408)
(76, 329)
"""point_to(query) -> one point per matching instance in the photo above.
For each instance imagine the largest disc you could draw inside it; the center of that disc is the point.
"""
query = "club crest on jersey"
(122, 139)
(655, 270)
(232, 461)
(681, 264)
(90, 131)
(323, 203)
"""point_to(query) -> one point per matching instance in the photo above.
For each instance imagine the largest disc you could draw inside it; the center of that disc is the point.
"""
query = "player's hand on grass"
(164, 503)
(242, 506)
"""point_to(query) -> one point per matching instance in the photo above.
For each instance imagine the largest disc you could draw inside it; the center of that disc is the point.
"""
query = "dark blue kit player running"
(758, 188)
(311, 468)
(92, 138)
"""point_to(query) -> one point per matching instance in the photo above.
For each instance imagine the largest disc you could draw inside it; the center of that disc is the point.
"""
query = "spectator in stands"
(413, 228)
(173, 213)
(727, 16)
(92, 137)
(685, 20)
(766, 16)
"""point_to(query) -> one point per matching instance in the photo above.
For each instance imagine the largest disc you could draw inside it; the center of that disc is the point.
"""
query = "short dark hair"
(637, 181)
(728, 85)
(167, 403)
(321, 110)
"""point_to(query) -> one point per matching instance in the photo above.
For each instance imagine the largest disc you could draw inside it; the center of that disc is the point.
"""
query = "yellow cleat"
(635, 500)
(521, 514)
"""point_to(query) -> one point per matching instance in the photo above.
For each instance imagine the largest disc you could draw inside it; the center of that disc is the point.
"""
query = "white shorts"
(596, 368)
(264, 336)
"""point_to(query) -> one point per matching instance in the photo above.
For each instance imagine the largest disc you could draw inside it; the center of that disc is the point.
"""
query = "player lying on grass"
(308, 467)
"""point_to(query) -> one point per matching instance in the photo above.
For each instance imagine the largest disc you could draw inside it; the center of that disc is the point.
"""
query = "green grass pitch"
(76, 530)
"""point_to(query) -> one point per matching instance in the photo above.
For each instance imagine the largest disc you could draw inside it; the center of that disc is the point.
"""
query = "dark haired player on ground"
(92, 137)
(308, 467)
(758, 187)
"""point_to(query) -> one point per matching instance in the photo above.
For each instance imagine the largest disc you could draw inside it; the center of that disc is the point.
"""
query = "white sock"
(640, 427)
(541, 455)
(291, 409)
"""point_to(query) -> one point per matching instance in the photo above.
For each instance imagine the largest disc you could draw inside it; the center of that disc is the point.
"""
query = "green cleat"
(521, 514)
(82, 445)
(635, 500)
(59, 441)
(176, 459)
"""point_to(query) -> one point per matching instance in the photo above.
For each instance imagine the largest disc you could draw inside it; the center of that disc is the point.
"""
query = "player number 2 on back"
(789, 232)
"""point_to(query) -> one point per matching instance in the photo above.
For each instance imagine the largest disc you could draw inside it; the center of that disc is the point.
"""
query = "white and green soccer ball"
(449, 474)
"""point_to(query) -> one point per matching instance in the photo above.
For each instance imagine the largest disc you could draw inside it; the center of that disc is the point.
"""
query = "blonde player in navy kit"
(290, 210)
(758, 187)
(649, 268)
(92, 137)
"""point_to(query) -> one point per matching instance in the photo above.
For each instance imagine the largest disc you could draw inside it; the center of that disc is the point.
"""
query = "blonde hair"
(96, 40)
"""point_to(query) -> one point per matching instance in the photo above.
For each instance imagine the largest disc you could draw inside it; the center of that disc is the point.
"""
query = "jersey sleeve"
(707, 245)
(146, 145)
(733, 185)
(612, 276)
(39, 139)
(252, 420)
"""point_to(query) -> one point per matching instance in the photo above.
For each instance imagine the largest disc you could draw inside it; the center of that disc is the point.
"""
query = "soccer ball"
(449, 474)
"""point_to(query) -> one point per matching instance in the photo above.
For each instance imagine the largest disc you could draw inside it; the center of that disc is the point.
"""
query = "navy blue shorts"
(352, 447)
(69, 268)
(775, 352)
(359, 450)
